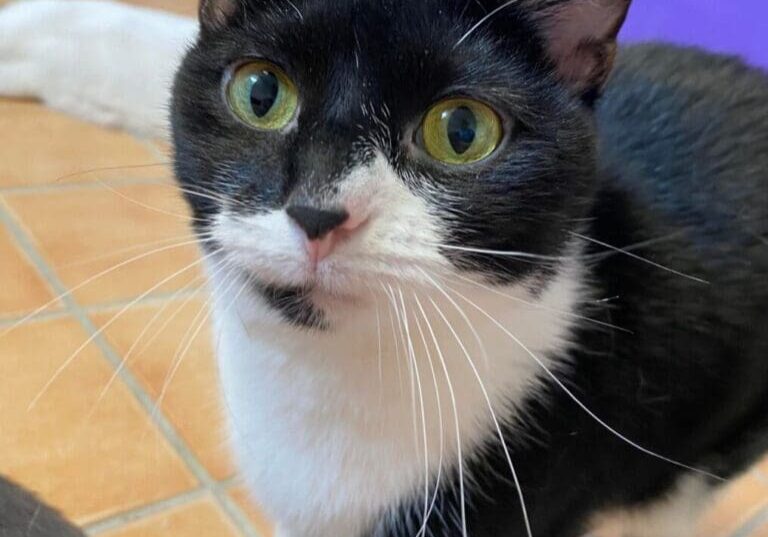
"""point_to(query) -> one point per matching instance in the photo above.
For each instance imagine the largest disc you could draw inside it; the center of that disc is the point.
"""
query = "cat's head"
(331, 147)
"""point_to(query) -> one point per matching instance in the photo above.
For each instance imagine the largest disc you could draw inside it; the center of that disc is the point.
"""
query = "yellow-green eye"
(262, 95)
(461, 131)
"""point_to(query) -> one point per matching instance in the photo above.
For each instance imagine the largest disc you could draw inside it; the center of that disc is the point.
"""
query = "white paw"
(102, 61)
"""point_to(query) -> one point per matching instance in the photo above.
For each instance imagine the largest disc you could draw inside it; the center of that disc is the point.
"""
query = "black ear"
(580, 38)
(216, 14)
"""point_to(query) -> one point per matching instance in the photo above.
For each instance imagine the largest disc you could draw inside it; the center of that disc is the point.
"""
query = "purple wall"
(734, 26)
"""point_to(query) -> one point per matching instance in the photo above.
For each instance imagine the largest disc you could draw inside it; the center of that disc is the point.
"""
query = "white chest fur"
(331, 428)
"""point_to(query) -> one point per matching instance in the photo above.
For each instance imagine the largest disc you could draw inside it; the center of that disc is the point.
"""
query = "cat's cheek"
(267, 245)
(402, 213)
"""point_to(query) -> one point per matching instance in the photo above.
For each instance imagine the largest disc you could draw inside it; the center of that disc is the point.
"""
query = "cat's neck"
(352, 399)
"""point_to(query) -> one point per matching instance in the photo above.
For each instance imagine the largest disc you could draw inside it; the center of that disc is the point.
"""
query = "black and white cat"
(469, 281)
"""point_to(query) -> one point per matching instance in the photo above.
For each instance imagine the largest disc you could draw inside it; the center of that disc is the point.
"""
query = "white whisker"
(133, 248)
(411, 376)
(576, 400)
(639, 258)
(296, 9)
(203, 315)
(415, 365)
(485, 19)
(540, 306)
(126, 358)
(379, 351)
(101, 330)
(115, 191)
(81, 173)
(90, 280)
(394, 335)
(423, 529)
(471, 327)
(487, 397)
(501, 253)
(452, 394)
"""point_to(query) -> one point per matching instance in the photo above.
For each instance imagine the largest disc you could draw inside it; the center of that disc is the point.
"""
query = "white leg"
(105, 62)
(675, 516)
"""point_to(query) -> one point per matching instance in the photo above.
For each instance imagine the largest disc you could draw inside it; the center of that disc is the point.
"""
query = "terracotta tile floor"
(125, 451)
(133, 451)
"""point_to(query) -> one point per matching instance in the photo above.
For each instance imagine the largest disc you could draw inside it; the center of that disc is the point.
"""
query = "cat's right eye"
(262, 95)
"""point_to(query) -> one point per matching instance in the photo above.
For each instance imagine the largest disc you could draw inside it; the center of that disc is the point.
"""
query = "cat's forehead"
(377, 34)
(405, 54)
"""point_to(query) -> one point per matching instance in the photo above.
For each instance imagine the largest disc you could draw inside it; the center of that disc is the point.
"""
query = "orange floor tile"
(258, 519)
(24, 290)
(133, 460)
(67, 158)
(202, 519)
(168, 347)
(141, 230)
(91, 456)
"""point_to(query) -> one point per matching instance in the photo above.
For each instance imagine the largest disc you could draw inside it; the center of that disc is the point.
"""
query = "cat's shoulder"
(689, 68)
(679, 88)
(676, 121)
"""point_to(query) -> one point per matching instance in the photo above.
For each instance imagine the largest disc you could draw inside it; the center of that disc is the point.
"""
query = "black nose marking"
(317, 223)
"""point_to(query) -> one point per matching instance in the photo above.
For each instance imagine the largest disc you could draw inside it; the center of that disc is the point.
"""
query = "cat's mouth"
(306, 306)
(339, 283)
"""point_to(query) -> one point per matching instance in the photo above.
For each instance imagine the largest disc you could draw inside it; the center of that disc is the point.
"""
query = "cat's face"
(331, 147)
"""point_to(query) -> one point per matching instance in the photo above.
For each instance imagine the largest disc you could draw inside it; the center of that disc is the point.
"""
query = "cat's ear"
(216, 14)
(580, 38)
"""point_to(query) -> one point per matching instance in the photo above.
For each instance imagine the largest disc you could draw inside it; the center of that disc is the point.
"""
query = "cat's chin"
(337, 301)
(328, 294)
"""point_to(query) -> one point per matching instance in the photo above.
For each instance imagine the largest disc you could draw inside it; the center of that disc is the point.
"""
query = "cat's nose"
(317, 223)
(324, 228)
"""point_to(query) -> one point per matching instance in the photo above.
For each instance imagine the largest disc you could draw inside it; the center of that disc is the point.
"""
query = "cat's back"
(687, 132)
(667, 103)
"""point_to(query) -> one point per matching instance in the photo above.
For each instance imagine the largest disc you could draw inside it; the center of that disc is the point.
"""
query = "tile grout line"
(101, 307)
(47, 188)
(55, 315)
(227, 504)
(144, 512)
(155, 299)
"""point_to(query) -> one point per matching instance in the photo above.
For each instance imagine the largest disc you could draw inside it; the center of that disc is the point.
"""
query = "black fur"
(683, 145)
(294, 305)
(23, 515)
(673, 158)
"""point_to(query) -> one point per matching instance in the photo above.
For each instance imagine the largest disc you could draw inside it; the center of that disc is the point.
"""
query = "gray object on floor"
(23, 515)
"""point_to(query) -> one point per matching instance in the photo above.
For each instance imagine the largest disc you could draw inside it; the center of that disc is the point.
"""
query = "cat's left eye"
(461, 131)
(262, 95)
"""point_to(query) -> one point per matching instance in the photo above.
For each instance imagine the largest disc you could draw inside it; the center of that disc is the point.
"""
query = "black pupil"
(263, 92)
(462, 129)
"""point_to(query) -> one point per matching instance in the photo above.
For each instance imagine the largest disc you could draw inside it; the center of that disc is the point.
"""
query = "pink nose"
(324, 229)
(319, 249)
